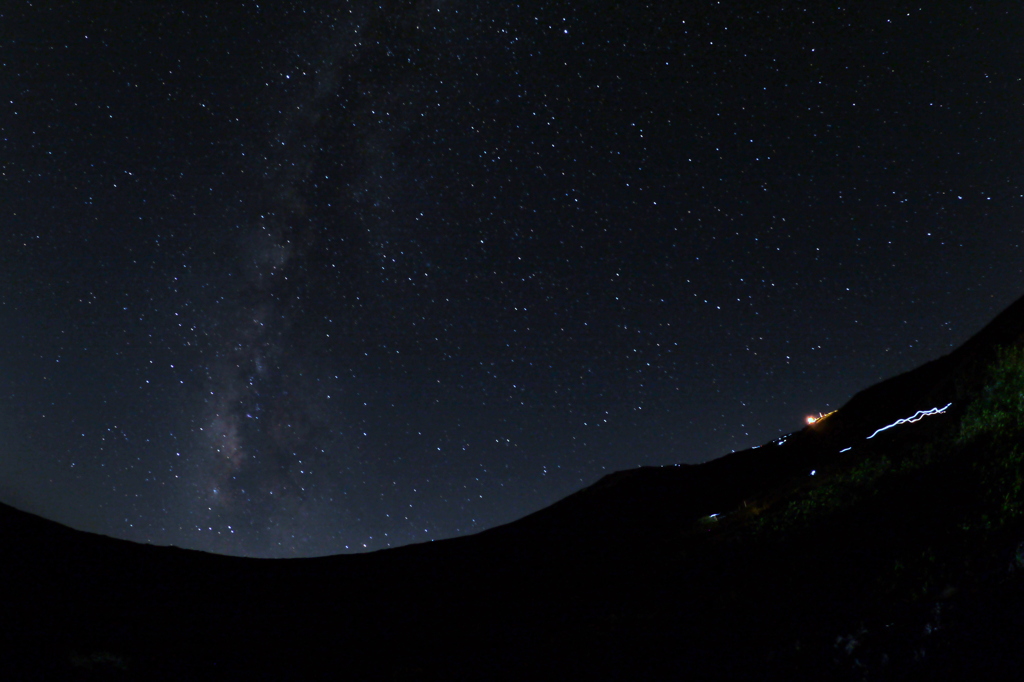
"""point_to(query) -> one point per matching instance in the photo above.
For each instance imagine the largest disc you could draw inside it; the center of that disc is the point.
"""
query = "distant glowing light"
(811, 419)
(813, 471)
(917, 416)
(846, 449)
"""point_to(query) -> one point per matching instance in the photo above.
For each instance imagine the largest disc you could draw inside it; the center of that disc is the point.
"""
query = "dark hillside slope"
(651, 497)
(902, 557)
(953, 378)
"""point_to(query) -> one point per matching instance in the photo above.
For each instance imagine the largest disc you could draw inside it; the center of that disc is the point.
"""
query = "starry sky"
(301, 278)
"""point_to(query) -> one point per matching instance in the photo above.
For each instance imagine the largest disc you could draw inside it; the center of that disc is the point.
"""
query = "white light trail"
(917, 416)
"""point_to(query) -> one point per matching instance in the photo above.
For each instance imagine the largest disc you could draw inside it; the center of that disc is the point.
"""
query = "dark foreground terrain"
(901, 557)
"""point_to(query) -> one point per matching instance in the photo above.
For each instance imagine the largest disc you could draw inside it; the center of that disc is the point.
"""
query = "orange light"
(811, 419)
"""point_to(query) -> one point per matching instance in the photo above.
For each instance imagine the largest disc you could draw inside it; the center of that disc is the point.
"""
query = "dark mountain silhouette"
(900, 557)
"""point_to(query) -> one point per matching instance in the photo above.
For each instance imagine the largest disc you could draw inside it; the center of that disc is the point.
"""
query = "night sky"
(304, 278)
